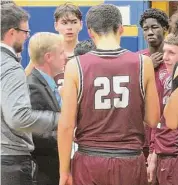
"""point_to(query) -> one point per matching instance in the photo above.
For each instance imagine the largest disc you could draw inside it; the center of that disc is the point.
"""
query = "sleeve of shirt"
(16, 107)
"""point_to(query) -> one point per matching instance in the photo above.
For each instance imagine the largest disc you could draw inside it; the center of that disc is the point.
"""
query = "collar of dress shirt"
(8, 47)
(48, 79)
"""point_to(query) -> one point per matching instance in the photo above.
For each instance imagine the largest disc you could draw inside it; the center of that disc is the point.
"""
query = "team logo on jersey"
(168, 83)
(162, 74)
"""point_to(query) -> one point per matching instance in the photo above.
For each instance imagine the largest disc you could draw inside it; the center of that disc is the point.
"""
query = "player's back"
(111, 100)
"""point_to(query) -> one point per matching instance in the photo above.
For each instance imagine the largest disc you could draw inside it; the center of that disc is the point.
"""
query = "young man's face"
(170, 56)
(69, 26)
(153, 32)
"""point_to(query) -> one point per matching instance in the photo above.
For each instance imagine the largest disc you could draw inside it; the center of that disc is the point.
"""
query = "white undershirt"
(8, 47)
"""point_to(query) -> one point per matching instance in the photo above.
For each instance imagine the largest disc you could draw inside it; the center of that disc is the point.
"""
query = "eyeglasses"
(26, 31)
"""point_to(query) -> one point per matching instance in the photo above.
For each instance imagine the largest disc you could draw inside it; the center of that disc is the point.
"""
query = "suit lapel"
(54, 105)
(53, 97)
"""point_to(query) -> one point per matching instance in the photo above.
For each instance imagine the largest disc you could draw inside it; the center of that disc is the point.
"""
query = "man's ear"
(90, 33)
(120, 29)
(11, 31)
(55, 26)
(47, 57)
(81, 25)
(165, 30)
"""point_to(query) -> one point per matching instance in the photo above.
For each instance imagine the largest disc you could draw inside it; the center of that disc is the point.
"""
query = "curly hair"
(84, 47)
(157, 14)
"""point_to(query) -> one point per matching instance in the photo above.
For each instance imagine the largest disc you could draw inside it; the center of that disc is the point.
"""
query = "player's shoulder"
(144, 52)
(135, 56)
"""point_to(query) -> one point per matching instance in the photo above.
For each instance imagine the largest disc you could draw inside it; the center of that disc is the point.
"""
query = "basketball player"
(165, 155)
(107, 97)
(68, 22)
(170, 111)
(154, 23)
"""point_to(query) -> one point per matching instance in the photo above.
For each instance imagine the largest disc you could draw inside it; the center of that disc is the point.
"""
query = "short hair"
(84, 47)
(41, 43)
(173, 24)
(104, 18)
(157, 14)
(65, 10)
(171, 39)
(11, 17)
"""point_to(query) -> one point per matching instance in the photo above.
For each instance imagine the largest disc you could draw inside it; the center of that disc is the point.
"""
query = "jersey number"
(60, 83)
(101, 100)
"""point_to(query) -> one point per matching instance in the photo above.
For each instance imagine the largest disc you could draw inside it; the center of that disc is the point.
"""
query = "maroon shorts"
(96, 170)
(167, 170)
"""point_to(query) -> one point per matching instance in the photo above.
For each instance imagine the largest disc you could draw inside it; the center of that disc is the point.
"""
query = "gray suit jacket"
(42, 98)
(18, 119)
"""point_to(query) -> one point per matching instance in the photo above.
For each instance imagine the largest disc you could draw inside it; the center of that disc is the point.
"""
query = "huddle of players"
(119, 104)
(161, 143)
(160, 146)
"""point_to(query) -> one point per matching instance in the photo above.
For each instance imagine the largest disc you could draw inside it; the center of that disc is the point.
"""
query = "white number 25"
(101, 100)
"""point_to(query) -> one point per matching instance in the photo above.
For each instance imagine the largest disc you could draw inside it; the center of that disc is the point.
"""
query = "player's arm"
(29, 68)
(152, 108)
(171, 109)
(68, 116)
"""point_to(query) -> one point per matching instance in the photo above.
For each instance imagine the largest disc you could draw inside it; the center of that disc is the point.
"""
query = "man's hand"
(151, 169)
(65, 179)
(157, 59)
(149, 159)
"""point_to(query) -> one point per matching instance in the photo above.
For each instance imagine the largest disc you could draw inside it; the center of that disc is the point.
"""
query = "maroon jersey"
(111, 100)
(59, 79)
(166, 140)
(160, 72)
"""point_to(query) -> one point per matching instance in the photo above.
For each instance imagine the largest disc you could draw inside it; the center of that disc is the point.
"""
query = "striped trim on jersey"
(109, 53)
(141, 78)
(80, 90)
(70, 57)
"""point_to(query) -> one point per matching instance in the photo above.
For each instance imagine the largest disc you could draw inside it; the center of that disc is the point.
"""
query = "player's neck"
(107, 43)
(69, 47)
(156, 49)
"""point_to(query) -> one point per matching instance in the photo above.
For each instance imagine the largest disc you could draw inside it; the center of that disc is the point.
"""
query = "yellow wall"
(57, 2)
(131, 31)
(163, 5)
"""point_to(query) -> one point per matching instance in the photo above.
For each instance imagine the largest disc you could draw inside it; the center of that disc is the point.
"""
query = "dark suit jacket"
(42, 98)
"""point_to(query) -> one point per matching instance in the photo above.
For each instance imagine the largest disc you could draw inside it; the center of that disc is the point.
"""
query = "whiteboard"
(125, 12)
